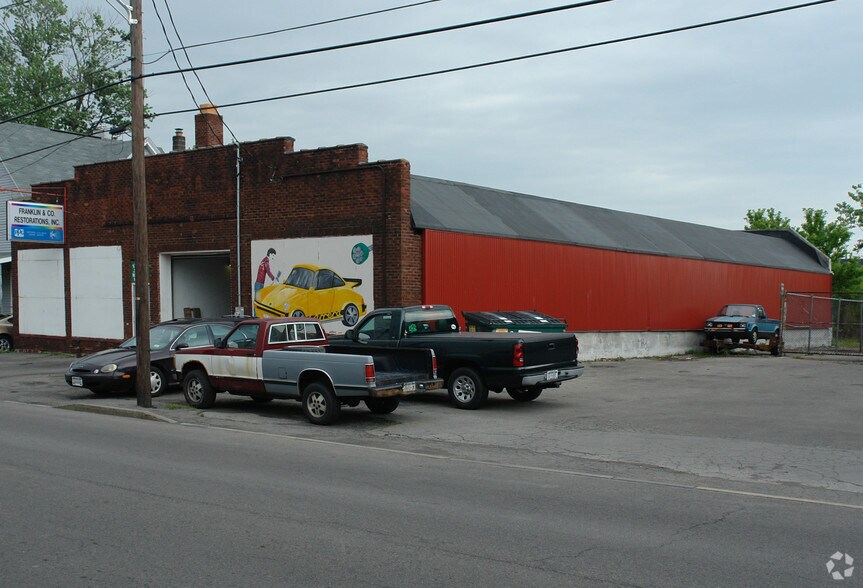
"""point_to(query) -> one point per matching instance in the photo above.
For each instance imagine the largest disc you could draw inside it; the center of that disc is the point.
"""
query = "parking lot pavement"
(741, 419)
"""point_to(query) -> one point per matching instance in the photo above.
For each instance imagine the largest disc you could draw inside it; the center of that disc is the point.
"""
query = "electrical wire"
(510, 59)
(320, 50)
(294, 28)
(474, 66)
(399, 37)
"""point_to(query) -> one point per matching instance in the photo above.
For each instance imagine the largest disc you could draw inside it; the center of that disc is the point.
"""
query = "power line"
(295, 28)
(174, 55)
(473, 66)
(378, 40)
(320, 50)
(510, 59)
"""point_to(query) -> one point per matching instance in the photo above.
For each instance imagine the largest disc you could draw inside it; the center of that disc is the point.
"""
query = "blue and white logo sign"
(35, 222)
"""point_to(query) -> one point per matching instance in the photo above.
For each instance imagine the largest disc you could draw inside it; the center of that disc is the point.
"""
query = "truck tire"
(197, 389)
(320, 404)
(524, 394)
(466, 389)
(383, 405)
(753, 335)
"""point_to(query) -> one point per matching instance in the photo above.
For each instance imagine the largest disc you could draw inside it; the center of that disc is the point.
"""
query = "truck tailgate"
(552, 348)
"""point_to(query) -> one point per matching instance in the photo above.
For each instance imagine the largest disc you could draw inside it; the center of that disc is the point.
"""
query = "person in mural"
(265, 272)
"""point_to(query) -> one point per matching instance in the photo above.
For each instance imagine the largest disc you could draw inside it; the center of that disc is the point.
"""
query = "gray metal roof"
(463, 208)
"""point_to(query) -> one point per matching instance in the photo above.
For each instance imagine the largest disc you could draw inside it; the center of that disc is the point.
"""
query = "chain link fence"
(820, 323)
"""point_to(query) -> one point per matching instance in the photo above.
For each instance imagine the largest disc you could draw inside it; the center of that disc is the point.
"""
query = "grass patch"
(177, 406)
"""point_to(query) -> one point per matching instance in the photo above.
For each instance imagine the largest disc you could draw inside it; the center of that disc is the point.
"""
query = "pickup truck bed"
(289, 358)
(473, 363)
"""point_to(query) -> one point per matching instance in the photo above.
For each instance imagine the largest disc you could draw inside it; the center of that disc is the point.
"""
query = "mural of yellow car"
(312, 291)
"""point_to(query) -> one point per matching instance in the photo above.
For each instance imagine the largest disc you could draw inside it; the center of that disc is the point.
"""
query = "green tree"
(766, 218)
(853, 214)
(833, 239)
(48, 55)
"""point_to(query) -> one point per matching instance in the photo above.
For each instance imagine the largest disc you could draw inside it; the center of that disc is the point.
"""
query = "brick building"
(194, 204)
(630, 284)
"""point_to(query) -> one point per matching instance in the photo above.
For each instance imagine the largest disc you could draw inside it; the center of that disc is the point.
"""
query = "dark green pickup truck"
(472, 364)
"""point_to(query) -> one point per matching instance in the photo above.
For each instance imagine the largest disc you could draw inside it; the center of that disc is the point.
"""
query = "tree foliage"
(766, 218)
(853, 213)
(48, 55)
(833, 238)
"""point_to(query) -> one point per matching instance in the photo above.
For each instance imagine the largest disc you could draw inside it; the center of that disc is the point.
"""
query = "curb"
(117, 411)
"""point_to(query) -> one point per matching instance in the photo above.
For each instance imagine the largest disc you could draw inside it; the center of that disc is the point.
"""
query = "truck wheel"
(525, 394)
(158, 383)
(197, 389)
(753, 335)
(320, 404)
(383, 405)
(5, 343)
(466, 389)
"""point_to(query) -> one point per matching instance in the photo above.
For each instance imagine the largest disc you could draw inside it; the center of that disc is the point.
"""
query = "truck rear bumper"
(406, 388)
(551, 377)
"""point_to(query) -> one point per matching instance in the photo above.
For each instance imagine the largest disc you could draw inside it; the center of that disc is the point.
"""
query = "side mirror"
(181, 346)
(217, 342)
(349, 334)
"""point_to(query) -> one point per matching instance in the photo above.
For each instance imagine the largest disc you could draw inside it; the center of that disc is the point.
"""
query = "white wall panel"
(96, 288)
(41, 295)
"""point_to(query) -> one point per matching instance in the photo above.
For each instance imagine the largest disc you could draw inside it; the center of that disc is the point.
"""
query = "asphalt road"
(742, 470)
(94, 500)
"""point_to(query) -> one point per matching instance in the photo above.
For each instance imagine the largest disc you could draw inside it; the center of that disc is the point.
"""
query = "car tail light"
(518, 354)
(370, 373)
(434, 364)
(576, 347)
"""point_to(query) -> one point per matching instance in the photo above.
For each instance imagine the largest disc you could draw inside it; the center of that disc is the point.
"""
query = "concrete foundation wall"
(624, 344)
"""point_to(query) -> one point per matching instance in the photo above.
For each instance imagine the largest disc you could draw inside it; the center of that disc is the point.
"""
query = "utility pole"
(139, 213)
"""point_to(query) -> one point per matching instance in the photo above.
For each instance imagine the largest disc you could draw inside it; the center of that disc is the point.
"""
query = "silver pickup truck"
(289, 358)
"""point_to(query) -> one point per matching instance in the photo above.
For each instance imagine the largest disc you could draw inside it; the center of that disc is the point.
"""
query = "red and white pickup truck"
(290, 358)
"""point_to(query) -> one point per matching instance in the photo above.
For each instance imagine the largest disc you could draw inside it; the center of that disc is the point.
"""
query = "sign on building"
(34, 222)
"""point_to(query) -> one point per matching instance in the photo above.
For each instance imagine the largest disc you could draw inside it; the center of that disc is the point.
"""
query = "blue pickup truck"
(741, 321)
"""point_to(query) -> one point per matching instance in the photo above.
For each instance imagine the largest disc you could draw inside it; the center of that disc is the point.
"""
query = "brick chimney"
(209, 129)
(179, 142)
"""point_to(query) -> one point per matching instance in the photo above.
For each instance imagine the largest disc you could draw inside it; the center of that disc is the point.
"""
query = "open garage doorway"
(197, 285)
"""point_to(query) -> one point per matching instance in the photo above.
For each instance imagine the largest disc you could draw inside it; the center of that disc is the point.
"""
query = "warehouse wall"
(597, 290)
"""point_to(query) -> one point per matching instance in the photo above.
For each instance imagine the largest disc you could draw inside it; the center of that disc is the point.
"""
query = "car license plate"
(410, 387)
(551, 375)
(77, 381)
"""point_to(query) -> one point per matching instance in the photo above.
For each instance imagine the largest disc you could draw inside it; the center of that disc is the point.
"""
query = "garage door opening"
(199, 285)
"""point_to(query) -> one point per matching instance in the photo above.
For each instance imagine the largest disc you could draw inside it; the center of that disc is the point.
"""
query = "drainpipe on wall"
(239, 264)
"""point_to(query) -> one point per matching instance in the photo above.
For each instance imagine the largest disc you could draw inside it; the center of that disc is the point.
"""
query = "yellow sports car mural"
(312, 291)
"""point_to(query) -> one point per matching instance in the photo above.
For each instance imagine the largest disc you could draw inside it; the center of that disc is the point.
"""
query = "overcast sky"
(695, 126)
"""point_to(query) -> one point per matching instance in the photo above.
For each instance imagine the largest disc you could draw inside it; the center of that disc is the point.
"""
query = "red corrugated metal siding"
(595, 289)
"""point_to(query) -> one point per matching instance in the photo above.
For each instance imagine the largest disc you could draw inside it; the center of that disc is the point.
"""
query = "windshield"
(161, 336)
(738, 310)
